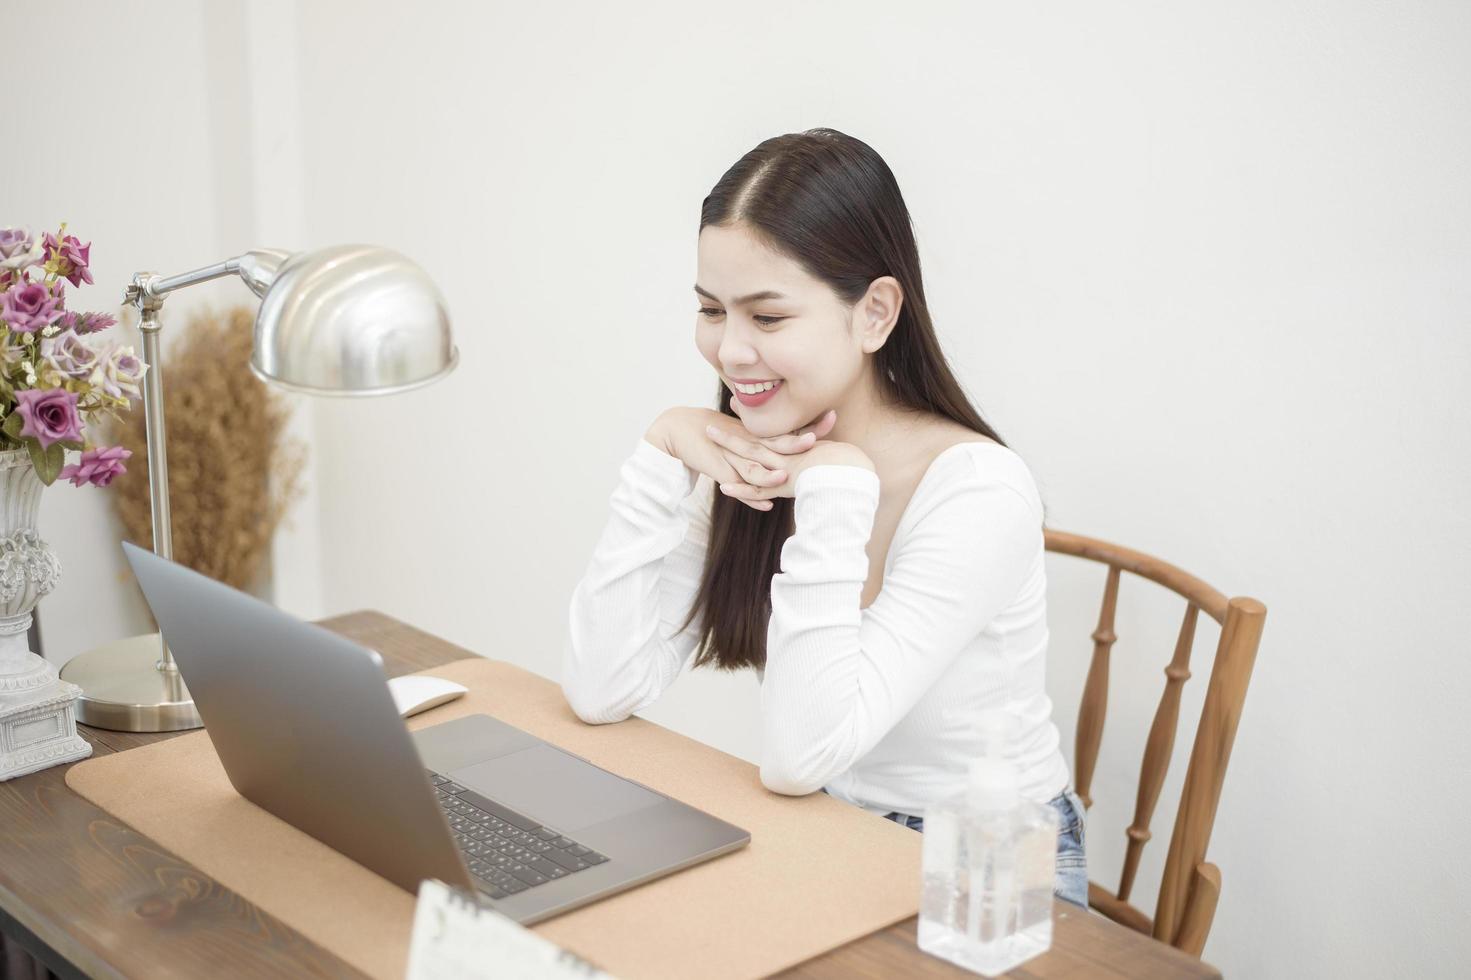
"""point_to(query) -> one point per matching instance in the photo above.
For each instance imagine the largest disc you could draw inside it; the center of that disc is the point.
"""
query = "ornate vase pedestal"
(38, 722)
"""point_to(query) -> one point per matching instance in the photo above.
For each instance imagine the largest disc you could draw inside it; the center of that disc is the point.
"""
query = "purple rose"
(29, 306)
(98, 467)
(18, 251)
(50, 415)
(68, 257)
(70, 354)
(15, 242)
(121, 375)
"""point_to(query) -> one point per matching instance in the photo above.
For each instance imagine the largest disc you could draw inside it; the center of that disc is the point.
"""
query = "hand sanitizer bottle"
(989, 860)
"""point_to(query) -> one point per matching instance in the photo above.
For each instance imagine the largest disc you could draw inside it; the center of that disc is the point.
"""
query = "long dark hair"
(830, 203)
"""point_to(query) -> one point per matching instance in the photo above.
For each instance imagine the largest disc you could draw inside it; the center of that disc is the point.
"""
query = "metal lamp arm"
(257, 268)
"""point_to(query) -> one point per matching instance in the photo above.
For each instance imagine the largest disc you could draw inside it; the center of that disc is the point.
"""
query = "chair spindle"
(1095, 691)
(1158, 749)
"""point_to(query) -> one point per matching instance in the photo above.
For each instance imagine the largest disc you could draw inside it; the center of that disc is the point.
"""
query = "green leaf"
(38, 458)
(13, 425)
(55, 461)
(48, 462)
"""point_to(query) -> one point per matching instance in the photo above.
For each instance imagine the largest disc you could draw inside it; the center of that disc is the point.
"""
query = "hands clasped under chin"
(768, 467)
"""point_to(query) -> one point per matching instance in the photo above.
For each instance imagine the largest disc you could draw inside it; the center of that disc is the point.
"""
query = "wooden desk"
(88, 896)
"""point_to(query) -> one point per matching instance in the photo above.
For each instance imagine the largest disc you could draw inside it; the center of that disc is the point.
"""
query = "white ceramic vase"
(38, 726)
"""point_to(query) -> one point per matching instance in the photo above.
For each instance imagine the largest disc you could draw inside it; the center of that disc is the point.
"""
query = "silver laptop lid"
(303, 723)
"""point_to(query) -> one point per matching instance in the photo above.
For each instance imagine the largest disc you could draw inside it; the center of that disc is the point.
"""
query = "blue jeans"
(1072, 858)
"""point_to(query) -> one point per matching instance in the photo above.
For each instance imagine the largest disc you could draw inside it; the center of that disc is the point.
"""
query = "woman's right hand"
(680, 432)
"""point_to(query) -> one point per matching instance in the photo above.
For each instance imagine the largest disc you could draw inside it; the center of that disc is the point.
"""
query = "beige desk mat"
(818, 872)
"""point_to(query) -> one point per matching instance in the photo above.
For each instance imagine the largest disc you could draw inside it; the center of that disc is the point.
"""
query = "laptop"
(305, 727)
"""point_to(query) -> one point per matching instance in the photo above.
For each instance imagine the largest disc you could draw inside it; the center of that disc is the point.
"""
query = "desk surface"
(89, 896)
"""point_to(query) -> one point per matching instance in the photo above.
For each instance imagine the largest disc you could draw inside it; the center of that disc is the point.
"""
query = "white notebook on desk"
(456, 937)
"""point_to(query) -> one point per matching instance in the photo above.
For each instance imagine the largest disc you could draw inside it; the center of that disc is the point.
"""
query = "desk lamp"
(344, 320)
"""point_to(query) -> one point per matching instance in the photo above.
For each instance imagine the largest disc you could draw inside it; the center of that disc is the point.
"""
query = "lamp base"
(124, 691)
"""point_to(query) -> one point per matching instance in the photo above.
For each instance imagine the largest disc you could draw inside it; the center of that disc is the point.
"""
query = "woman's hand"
(755, 461)
(681, 432)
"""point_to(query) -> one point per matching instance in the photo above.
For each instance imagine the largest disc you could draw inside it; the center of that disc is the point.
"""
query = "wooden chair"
(1190, 886)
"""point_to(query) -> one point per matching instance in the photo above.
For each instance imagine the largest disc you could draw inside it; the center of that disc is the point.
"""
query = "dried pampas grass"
(232, 474)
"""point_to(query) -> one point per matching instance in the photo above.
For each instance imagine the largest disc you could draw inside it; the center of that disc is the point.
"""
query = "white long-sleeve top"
(876, 705)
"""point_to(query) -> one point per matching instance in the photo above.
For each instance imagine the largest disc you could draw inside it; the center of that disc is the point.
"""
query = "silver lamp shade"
(347, 320)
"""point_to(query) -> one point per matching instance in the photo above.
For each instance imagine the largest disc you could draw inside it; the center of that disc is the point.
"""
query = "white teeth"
(754, 389)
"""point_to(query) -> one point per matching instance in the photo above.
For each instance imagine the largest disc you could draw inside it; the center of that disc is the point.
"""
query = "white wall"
(111, 128)
(1206, 269)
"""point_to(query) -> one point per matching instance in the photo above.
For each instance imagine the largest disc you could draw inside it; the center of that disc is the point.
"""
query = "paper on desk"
(455, 936)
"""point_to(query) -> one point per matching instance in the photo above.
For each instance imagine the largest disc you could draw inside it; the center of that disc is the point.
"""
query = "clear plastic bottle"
(989, 860)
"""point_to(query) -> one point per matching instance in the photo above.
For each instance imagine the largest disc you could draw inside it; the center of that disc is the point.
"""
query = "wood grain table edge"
(60, 945)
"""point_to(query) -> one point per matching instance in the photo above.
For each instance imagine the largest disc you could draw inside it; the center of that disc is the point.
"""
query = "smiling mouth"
(755, 388)
(761, 397)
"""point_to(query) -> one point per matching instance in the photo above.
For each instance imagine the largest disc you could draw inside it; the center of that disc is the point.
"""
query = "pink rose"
(70, 258)
(50, 415)
(98, 467)
(29, 306)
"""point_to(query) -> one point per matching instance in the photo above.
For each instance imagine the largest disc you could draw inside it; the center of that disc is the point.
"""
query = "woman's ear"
(878, 311)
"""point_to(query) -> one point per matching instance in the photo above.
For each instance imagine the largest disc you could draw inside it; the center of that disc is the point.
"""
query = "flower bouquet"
(53, 382)
(52, 379)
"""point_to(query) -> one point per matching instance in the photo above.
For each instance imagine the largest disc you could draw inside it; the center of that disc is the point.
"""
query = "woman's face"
(763, 318)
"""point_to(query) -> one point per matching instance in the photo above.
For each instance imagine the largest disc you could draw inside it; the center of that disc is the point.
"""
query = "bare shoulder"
(925, 441)
(944, 434)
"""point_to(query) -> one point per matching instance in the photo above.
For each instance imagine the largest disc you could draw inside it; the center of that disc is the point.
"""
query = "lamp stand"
(133, 685)
(345, 320)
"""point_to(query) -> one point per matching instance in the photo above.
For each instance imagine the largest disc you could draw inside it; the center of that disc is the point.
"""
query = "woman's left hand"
(749, 456)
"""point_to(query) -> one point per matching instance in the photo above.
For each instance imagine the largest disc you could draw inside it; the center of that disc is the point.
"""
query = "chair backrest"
(1190, 886)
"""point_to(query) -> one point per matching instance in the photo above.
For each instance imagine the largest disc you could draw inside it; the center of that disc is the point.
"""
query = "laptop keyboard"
(506, 852)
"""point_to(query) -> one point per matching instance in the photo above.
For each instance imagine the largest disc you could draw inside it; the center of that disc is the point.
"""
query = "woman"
(874, 552)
